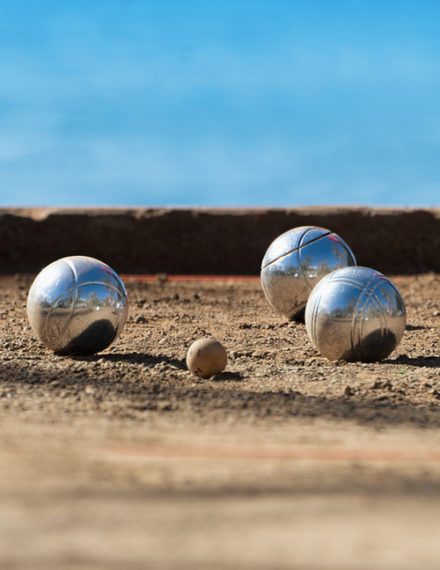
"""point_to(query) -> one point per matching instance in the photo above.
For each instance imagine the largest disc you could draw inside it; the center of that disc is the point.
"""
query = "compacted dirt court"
(286, 460)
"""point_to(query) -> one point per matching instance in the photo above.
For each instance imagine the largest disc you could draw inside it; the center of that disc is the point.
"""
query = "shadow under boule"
(97, 336)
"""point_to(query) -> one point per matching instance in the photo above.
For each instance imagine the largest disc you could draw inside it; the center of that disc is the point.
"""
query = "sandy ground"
(286, 460)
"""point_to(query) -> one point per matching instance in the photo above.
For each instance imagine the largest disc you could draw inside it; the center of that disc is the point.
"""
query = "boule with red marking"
(294, 263)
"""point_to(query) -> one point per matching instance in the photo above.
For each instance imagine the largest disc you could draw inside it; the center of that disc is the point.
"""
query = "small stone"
(383, 398)
(165, 406)
(161, 278)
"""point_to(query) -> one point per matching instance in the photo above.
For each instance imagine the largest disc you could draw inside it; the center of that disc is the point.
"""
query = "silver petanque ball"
(294, 263)
(355, 313)
(77, 305)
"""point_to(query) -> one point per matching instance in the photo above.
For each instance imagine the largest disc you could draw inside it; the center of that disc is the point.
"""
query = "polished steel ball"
(77, 305)
(296, 261)
(355, 313)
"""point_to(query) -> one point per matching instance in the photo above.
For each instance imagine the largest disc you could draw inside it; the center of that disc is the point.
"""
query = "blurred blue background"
(234, 103)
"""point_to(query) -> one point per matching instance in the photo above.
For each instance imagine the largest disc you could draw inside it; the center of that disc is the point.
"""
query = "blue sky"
(233, 103)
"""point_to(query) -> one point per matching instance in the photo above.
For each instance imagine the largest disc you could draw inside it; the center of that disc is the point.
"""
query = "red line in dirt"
(316, 454)
(159, 277)
(163, 277)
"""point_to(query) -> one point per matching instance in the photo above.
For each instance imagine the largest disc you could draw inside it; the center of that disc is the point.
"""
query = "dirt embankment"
(209, 240)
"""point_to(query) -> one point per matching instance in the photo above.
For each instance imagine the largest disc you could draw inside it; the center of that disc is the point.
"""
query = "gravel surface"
(125, 459)
(273, 370)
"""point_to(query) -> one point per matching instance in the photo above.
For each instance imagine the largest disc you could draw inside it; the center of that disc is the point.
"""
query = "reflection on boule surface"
(77, 305)
(355, 313)
(296, 261)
